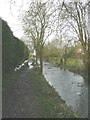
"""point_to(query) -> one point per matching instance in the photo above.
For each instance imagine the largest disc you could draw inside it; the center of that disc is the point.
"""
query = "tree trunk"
(89, 61)
(41, 62)
(65, 58)
(65, 63)
(85, 60)
(36, 57)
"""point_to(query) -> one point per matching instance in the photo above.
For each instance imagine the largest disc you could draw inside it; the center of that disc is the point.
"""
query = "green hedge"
(14, 51)
(21, 51)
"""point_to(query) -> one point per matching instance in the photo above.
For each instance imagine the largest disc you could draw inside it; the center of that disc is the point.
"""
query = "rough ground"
(20, 101)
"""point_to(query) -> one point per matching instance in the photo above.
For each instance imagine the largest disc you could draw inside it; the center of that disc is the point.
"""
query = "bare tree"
(75, 15)
(37, 23)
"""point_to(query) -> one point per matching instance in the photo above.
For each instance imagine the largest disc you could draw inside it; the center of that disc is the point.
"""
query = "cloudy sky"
(11, 13)
(11, 16)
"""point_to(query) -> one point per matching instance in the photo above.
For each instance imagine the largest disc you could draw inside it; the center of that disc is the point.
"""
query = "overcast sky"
(11, 16)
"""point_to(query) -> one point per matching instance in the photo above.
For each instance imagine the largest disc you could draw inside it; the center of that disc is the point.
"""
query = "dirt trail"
(20, 100)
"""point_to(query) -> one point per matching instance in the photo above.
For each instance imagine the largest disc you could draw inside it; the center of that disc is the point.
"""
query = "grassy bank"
(71, 63)
(74, 65)
(53, 106)
(9, 79)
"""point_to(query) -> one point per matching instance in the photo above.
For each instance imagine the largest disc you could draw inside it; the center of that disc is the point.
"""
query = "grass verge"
(9, 79)
(53, 106)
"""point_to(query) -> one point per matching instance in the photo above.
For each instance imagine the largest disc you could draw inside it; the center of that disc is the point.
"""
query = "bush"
(72, 63)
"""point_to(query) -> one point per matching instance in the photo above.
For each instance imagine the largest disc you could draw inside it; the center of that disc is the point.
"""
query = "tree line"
(45, 18)
(14, 51)
(42, 19)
